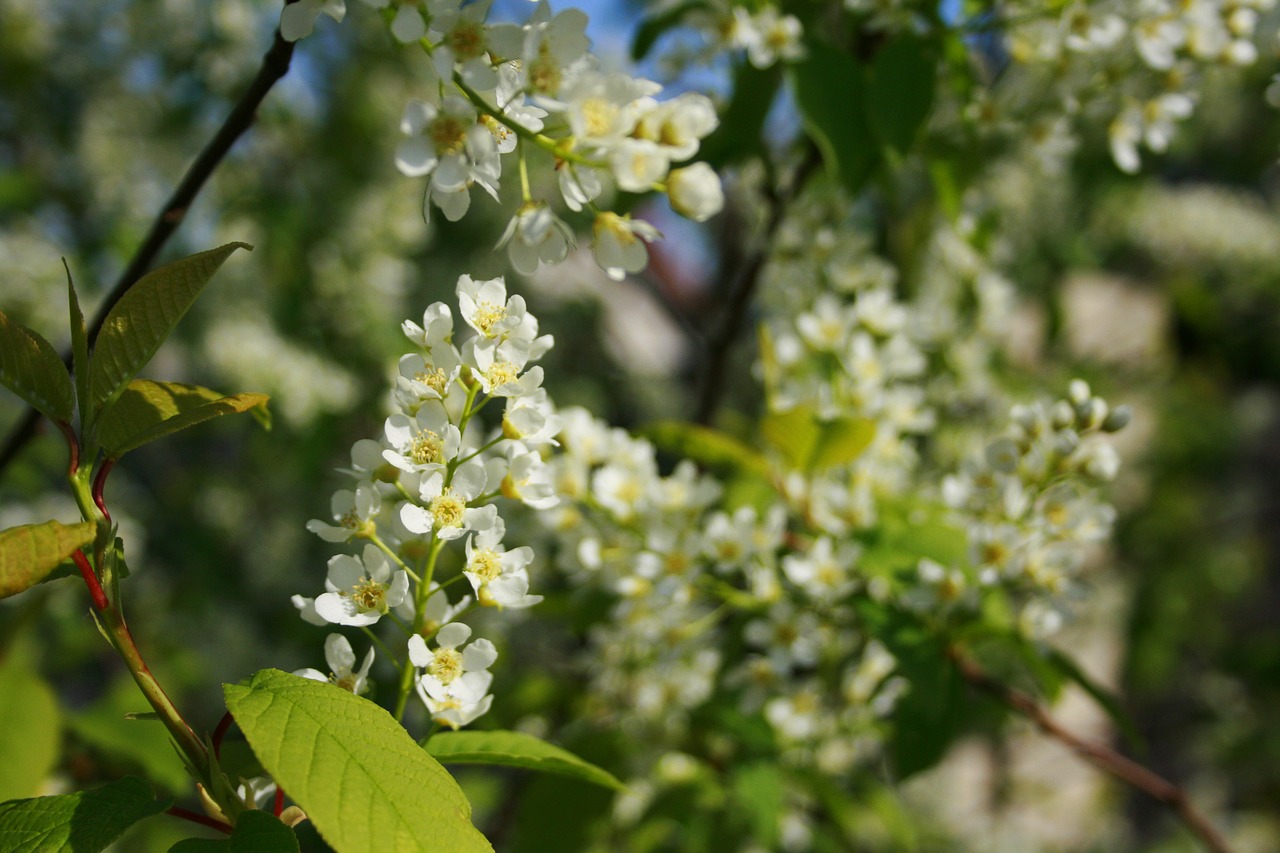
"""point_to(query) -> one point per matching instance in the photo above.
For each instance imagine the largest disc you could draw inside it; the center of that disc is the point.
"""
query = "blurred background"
(1162, 289)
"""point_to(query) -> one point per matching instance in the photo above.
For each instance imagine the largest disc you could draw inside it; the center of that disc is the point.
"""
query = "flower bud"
(695, 192)
(1117, 419)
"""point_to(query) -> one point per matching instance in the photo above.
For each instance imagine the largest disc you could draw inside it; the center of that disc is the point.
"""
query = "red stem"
(224, 726)
(279, 803)
(196, 817)
(90, 580)
(100, 483)
(73, 446)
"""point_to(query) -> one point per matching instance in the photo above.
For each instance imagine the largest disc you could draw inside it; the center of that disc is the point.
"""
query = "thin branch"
(275, 64)
(744, 288)
(1099, 755)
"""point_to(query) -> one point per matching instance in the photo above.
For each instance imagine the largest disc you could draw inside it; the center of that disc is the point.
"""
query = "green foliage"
(31, 368)
(351, 767)
(900, 90)
(141, 321)
(31, 552)
(706, 446)
(742, 122)
(85, 822)
(759, 791)
(811, 443)
(79, 344)
(516, 749)
(30, 736)
(150, 410)
(255, 832)
(651, 28)
(106, 725)
(831, 92)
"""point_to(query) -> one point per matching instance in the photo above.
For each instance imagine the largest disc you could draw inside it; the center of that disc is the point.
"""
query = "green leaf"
(516, 749)
(810, 443)
(79, 343)
(141, 321)
(30, 739)
(353, 769)
(30, 367)
(830, 90)
(85, 822)
(761, 793)
(1107, 700)
(150, 410)
(900, 91)
(255, 832)
(652, 27)
(742, 121)
(30, 552)
(707, 446)
(105, 725)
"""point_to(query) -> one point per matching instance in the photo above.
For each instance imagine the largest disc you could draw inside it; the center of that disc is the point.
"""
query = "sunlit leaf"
(85, 822)
(143, 318)
(29, 730)
(30, 367)
(351, 767)
(709, 447)
(150, 410)
(516, 749)
(30, 552)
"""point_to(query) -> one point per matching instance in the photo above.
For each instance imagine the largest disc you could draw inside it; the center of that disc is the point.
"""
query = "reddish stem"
(224, 726)
(90, 580)
(73, 446)
(100, 483)
(279, 803)
(196, 817)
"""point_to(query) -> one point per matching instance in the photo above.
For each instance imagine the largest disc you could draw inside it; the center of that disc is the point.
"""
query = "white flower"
(637, 164)
(446, 511)
(695, 192)
(618, 243)
(500, 367)
(361, 590)
(353, 511)
(341, 659)
(447, 143)
(679, 125)
(437, 326)
(429, 377)
(528, 479)
(579, 185)
(499, 577)
(454, 681)
(424, 443)
(297, 20)
(531, 419)
(485, 307)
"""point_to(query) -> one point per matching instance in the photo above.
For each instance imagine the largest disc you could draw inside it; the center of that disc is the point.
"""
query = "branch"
(1099, 755)
(744, 287)
(275, 64)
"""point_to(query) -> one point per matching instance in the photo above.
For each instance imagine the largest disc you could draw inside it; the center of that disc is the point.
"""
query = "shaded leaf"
(516, 749)
(29, 730)
(351, 767)
(79, 343)
(105, 725)
(143, 318)
(901, 89)
(30, 367)
(652, 27)
(85, 822)
(30, 552)
(742, 121)
(255, 832)
(830, 90)
(150, 410)
(1107, 700)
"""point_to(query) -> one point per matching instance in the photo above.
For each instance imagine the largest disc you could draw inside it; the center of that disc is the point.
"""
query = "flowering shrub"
(745, 625)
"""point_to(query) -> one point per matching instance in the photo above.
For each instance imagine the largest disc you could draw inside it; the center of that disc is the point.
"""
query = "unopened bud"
(1117, 419)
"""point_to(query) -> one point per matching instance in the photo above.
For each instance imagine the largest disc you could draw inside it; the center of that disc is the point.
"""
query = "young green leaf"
(85, 822)
(841, 441)
(142, 320)
(255, 832)
(150, 410)
(351, 767)
(901, 89)
(30, 552)
(31, 368)
(760, 792)
(29, 730)
(79, 342)
(810, 443)
(830, 90)
(516, 749)
(709, 447)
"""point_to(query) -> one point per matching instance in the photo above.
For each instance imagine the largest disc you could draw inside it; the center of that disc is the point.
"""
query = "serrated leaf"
(707, 446)
(30, 552)
(255, 832)
(143, 318)
(31, 368)
(79, 342)
(351, 767)
(85, 822)
(830, 90)
(652, 27)
(105, 725)
(150, 410)
(516, 749)
(901, 89)
(29, 730)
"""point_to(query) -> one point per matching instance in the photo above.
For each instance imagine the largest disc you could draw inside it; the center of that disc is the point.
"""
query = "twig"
(1100, 755)
(744, 288)
(275, 64)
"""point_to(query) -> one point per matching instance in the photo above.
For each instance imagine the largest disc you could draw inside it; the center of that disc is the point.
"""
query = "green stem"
(420, 599)
(377, 641)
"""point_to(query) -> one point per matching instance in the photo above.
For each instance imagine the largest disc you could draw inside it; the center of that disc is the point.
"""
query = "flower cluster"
(499, 89)
(1029, 504)
(432, 479)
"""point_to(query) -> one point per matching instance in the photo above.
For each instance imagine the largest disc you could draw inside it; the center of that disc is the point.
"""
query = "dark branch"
(744, 288)
(1099, 755)
(275, 64)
